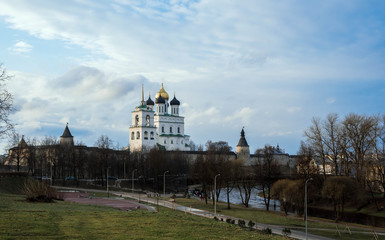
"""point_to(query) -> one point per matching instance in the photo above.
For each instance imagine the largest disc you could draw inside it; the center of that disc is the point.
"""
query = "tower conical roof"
(67, 132)
(242, 140)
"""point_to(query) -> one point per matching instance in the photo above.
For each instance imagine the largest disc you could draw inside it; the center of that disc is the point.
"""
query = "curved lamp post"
(108, 192)
(164, 183)
(132, 175)
(215, 194)
(310, 179)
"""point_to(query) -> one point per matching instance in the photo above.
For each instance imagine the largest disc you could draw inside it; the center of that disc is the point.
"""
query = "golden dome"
(162, 93)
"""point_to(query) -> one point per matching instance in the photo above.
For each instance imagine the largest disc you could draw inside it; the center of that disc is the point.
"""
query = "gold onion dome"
(162, 93)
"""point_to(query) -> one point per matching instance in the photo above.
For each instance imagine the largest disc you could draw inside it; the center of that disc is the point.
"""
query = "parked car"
(112, 178)
(70, 178)
(45, 178)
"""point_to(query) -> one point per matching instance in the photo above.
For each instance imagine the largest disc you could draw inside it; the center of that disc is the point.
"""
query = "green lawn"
(328, 227)
(62, 220)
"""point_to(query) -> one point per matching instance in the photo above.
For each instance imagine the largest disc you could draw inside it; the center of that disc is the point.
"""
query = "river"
(255, 200)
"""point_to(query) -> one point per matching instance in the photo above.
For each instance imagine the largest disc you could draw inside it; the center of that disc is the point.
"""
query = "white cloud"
(21, 47)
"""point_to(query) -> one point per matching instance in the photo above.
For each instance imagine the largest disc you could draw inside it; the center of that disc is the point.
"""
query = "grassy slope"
(63, 220)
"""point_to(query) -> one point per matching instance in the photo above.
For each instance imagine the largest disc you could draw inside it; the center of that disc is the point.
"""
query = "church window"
(132, 136)
(137, 135)
(148, 120)
(152, 135)
(172, 142)
(170, 129)
(162, 129)
(146, 135)
(178, 129)
(136, 120)
(165, 142)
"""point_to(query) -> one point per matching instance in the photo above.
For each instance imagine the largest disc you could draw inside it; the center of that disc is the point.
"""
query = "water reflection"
(255, 200)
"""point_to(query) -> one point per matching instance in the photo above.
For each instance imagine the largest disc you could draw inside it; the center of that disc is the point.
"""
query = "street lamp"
(310, 179)
(133, 181)
(108, 193)
(164, 183)
(215, 194)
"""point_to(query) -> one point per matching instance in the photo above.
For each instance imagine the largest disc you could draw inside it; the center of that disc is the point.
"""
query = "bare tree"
(333, 141)
(17, 151)
(267, 170)
(6, 104)
(316, 138)
(339, 190)
(361, 136)
(306, 168)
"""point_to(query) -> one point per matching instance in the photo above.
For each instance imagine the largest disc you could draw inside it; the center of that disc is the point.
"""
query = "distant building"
(162, 126)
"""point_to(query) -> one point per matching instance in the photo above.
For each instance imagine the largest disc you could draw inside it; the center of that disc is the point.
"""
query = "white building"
(160, 127)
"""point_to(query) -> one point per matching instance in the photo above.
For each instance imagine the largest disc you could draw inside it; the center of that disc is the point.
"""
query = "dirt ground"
(85, 198)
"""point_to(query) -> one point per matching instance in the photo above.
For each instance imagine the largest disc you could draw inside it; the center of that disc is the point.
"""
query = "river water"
(255, 200)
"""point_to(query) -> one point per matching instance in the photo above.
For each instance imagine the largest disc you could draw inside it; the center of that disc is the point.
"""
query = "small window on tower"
(136, 120)
(132, 136)
(148, 120)
(170, 129)
(178, 129)
(172, 142)
(165, 142)
(137, 135)
(162, 129)
(152, 135)
(146, 135)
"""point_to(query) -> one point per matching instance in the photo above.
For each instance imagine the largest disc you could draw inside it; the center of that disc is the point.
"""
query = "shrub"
(228, 220)
(251, 224)
(266, 231)
(233, 221)
(241, 223)
(286, 232)
(37, 191)
(173, 196)
(215, 218)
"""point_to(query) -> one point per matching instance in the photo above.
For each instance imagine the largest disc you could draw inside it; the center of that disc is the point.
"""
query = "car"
(112, 178)
(45, 178)
(70, 178)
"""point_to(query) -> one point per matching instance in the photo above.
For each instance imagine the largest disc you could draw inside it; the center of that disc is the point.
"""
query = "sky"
(267, 66)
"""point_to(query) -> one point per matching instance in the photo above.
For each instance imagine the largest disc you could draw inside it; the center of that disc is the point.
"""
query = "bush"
(266, 231)
(251, 224)
(228, 220)
(37, 191)
(241, 223)
(233, 221)
(215, 218)
(286, 232)
(173, 196)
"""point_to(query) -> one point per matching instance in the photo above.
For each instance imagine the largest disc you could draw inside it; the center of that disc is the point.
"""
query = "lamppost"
(164, 183)
(215, 194)
(108, 193)
(133, 181)
(310, 179)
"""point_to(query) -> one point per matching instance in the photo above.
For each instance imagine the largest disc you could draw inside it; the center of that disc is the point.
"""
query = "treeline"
(48, 158)
(352, 146)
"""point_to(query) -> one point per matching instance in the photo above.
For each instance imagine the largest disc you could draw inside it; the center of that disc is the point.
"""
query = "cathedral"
(158, 124)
